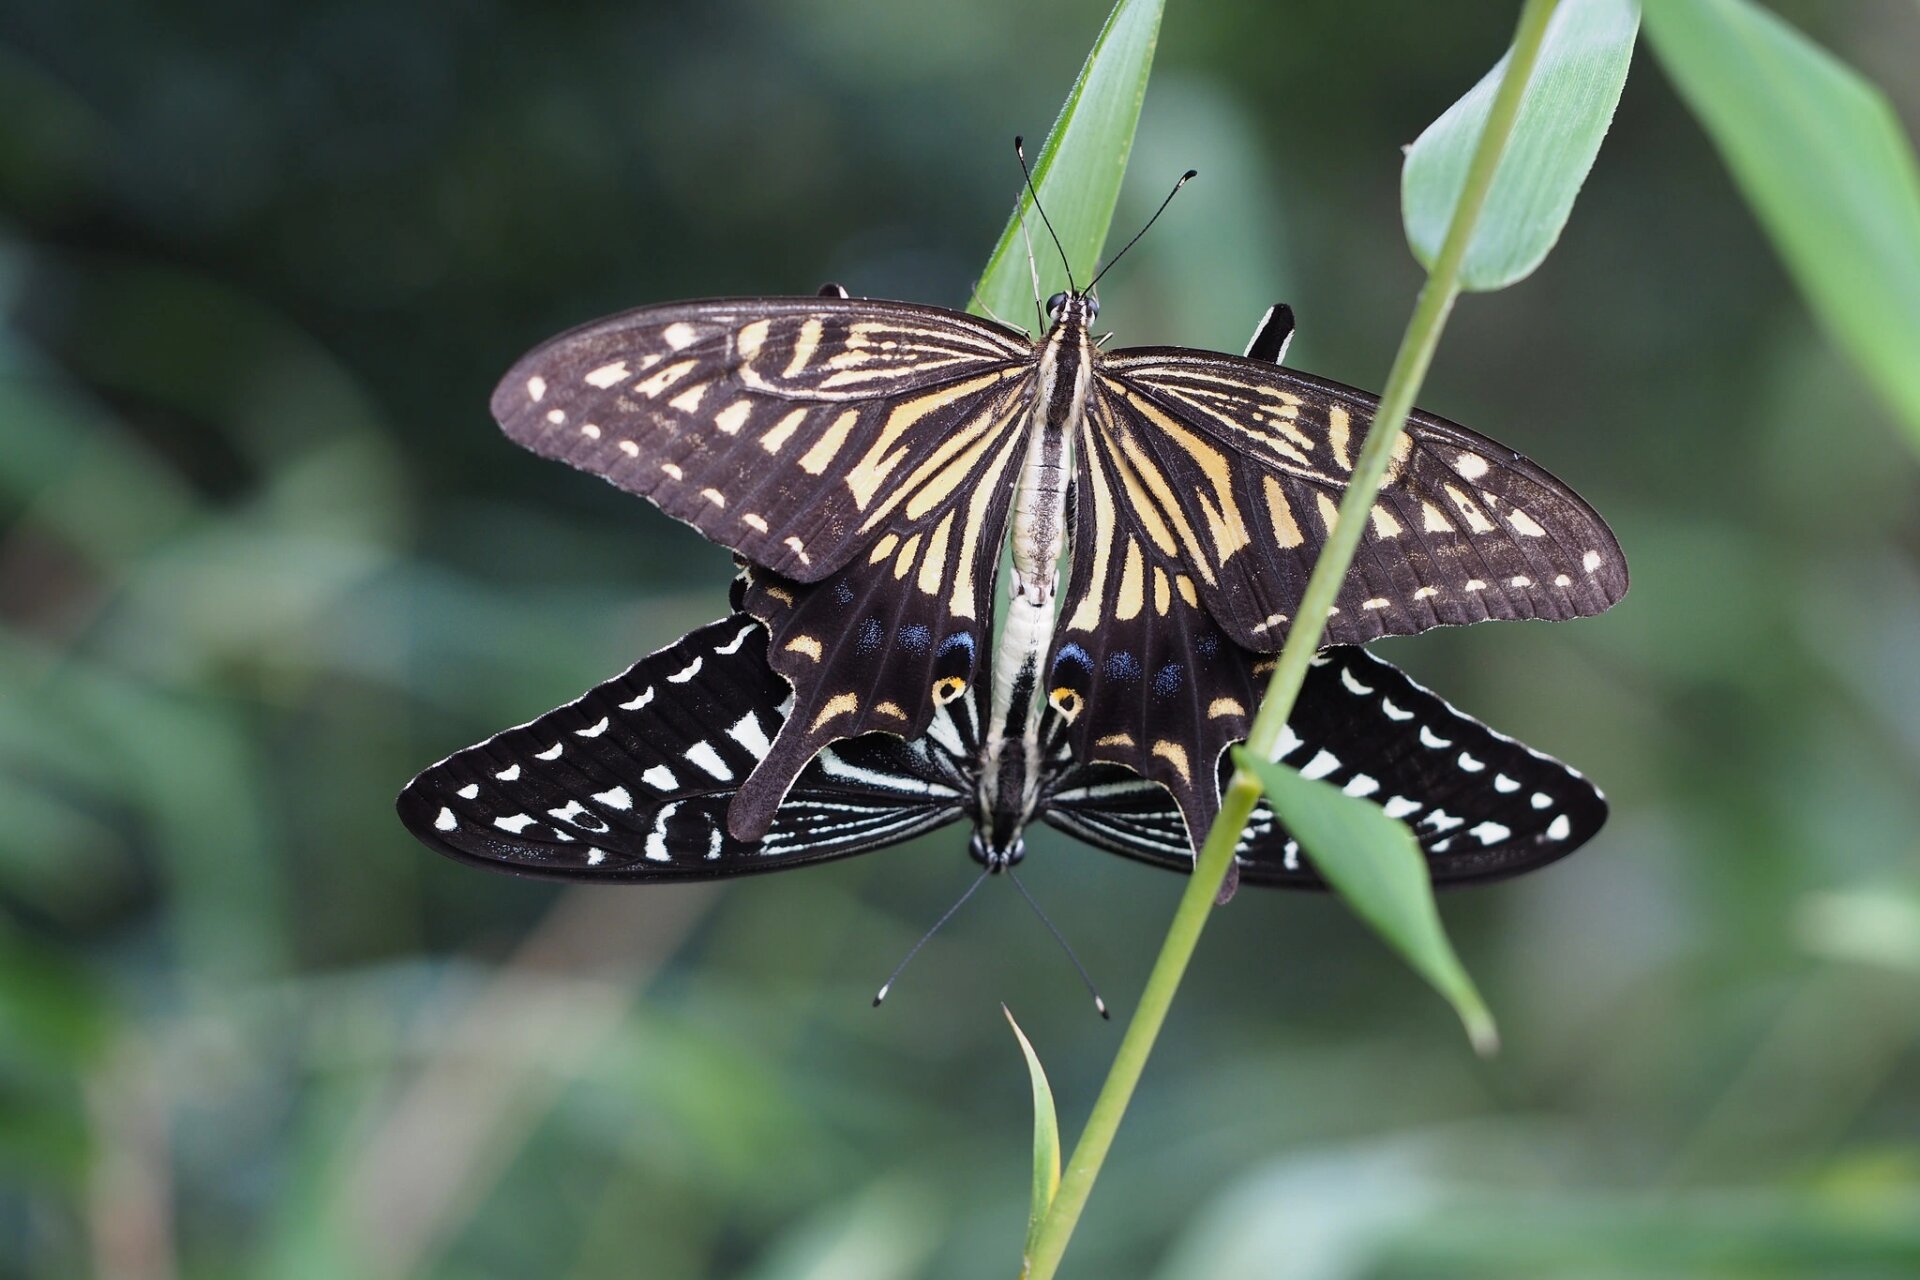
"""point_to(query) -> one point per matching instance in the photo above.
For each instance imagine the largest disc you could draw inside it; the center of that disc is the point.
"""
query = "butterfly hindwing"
(1228, 473)
(1481, 805)
(796, 431)
(880, 647)
(632, 780)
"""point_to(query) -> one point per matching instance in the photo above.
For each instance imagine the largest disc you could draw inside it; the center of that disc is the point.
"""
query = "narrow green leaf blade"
(1078, 169)
(1568, 104)
(1826, 168)
(1046, 1137)
(1373, 862)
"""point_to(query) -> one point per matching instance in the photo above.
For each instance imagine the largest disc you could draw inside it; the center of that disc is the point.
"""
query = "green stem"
(1303, 641)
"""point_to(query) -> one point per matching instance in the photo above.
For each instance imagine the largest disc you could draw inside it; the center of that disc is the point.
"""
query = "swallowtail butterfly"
(869, 462)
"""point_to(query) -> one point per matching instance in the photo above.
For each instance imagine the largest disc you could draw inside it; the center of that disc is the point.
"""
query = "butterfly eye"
(1054, 303)
(1093, 308)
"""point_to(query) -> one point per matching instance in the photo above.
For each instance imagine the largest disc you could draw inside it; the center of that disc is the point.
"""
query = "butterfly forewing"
(632, 780)
(1233, 470)
(797, 431)
(1481, 805)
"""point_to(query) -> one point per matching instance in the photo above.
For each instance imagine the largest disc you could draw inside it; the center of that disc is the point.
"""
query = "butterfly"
(869, 463)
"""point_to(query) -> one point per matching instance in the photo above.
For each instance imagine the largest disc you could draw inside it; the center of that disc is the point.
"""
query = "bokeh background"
(263, 555)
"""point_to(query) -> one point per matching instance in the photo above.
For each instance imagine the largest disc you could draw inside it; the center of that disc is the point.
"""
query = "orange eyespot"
(947, 688)
(1066, 701)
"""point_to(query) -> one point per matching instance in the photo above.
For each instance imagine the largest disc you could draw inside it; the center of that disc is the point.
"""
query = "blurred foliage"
(263, 555)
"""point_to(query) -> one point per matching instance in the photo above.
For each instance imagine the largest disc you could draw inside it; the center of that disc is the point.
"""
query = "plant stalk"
(1410, 365)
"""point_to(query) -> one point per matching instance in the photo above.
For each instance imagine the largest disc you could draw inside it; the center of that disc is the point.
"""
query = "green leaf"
(1046, 1138)
(1373, 862)
(1078, 169)
(1564, 114)
(1823, 163)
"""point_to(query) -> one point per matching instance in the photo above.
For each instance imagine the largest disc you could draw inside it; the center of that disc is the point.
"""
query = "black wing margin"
(632, 780)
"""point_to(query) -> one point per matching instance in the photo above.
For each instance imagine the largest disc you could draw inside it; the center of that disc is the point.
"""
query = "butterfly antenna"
(1060, 938)
(1033, 269)
(1185, 178)
(898, 969)
(1019, 149)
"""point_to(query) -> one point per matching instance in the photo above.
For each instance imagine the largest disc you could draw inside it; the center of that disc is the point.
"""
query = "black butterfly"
(869, 461)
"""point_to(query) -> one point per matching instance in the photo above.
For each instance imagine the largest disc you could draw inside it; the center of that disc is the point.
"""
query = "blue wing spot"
(843, 592)
(1076, 655)
(916, 638)
(1122, 665)
(1207, 643)
(867, 639)
(1166, 681)
(958, 640)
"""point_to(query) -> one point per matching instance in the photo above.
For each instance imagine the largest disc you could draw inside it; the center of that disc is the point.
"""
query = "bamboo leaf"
(1078, 169)
(1046, 1137)
(1564, 114)
(1823, 162)
(1375, 865)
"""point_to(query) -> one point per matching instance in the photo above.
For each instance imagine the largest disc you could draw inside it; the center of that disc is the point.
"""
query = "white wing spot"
(1426, 592)
(446, 821)
(551, 753)
(590, 431)
(679, 335)
(686, 673)
(1361, 785)
(1321, 765)
(629, 448)
(1401, 807)
(618, 798)
(1522, 580)
(1562, 580)
(607, 374)
(556, 416)
(660, 778)
(593, 730)
(715, 497)
(1541, 800)
(747, 732)
(1352, 684)
(705, 757)
(514, 824)
(733, 645)
(754, 522)
(1428, 738)
(1470, 764)
(1474, 584)
(1490, 833)
(713, 842)
(1393, 712)
(799, 549)
(596, 856)
(673, 471)
(469, 791)
(1524, 524)
(730, 419)
(1288, 744)
(1590, 561)
(639, 701)
(1504, 785)
(1471, 466)
(1560, 828)
(1441, 820)
(536, 387)
(1378, 602)
(508, 774)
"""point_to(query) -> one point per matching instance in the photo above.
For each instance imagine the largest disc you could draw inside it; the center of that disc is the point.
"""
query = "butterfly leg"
(832, 290)
(1272, 334)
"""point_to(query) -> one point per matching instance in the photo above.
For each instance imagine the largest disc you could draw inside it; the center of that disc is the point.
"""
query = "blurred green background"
(263, 555)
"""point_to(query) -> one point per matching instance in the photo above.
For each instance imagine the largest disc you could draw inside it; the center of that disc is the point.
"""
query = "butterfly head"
(1064, 307)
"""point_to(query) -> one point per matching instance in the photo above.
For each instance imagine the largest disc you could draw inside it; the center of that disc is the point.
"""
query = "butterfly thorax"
(1011, 758)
